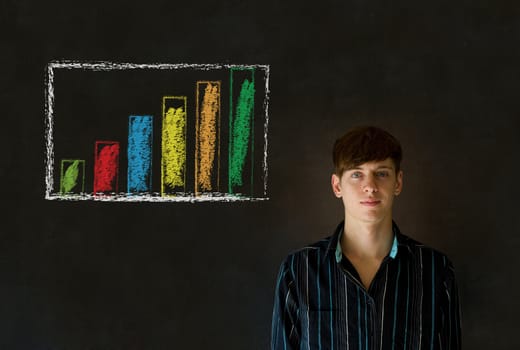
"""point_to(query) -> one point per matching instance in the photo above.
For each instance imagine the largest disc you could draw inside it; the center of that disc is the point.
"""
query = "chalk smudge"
(173, 149)
(106, 166)
(140, 154)
(207, 137)
(240, 134)
(69, 179)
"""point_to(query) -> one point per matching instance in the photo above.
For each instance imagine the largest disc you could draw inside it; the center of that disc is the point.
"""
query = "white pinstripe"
(308, 320)
(420, 303)
(383, 308)
(346, 308)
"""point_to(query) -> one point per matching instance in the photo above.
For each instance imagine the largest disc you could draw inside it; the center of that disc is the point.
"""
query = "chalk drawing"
(241, 127)
(106, 166)
(207, 144)
(72, 176)
(197, 152)
(140, 138)
(173, 161)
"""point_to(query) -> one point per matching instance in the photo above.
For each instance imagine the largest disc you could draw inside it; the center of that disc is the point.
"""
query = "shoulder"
(428, 257)
(309, 258)
(317, 248)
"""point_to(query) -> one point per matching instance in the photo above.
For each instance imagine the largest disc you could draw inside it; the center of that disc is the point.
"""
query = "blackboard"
(441, 76)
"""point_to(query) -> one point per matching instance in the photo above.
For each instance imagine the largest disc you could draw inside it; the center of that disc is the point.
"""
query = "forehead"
(388, 163)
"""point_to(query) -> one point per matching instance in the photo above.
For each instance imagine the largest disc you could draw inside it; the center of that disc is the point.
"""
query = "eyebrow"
(378, 168)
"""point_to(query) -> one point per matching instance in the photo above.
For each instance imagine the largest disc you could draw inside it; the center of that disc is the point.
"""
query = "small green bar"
(72, 176)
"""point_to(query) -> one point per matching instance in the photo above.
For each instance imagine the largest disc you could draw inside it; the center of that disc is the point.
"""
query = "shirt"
(412, 302)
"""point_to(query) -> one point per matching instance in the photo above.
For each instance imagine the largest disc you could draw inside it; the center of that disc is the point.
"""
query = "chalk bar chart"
(156, 132)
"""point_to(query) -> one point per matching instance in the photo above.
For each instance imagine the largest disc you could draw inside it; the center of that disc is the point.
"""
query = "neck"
(363, 240)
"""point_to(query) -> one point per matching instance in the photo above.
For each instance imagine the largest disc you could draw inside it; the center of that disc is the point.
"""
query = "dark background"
(442, 76)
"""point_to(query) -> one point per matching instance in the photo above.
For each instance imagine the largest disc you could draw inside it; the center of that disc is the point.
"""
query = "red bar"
(106, 165)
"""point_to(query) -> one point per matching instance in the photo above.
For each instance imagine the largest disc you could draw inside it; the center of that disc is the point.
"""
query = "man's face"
(368, 190)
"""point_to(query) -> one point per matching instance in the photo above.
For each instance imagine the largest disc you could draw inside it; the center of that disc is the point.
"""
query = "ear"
(335, 182)
(399, 183)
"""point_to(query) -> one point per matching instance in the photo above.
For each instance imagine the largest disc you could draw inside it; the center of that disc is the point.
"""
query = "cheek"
(345, 187)
(348, 182)
(350, 189)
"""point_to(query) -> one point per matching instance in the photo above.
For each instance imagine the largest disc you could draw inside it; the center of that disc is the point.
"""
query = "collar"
(339, 252)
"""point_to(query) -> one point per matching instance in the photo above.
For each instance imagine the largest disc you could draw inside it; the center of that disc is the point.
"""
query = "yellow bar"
(207, 134)
(173, 160)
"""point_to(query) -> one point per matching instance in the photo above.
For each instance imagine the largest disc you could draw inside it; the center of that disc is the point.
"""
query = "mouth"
(370, 202)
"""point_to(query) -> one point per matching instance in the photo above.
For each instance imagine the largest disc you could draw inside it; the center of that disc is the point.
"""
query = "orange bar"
(207, 137)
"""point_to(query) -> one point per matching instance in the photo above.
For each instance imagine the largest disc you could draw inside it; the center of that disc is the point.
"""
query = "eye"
(382, 174)
(355, 175)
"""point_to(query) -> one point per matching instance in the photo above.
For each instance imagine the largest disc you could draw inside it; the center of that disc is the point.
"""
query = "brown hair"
(365, 144)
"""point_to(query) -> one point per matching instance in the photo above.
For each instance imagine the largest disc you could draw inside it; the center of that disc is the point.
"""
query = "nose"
(369, 186)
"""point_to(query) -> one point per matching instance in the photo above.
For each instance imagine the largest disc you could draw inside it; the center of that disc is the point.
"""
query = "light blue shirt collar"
(339, 252)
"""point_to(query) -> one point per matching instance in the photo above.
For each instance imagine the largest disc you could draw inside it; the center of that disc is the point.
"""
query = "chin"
(372, 218)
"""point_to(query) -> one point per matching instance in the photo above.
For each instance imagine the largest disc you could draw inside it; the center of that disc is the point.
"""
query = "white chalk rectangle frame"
(154, 197)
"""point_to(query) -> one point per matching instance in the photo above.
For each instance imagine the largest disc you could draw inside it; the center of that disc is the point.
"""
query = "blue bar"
(140, 153)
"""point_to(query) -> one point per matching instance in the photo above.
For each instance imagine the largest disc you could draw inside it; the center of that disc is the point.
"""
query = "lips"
(370, 202)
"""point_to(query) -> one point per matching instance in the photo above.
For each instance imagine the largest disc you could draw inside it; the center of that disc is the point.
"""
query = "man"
(368, 286)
